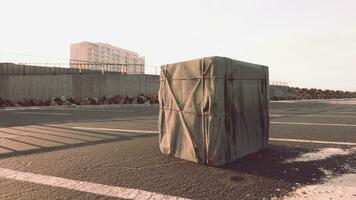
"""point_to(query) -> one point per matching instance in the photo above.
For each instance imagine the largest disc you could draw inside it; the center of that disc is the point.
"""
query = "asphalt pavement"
(104, 152)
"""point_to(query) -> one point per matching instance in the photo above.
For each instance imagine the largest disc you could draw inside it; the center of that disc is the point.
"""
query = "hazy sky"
(307, 43)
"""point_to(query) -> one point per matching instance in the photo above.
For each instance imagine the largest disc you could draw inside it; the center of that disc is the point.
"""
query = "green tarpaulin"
(213, 110)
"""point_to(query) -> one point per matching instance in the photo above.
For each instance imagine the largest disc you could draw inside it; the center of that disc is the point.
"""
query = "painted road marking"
(277, 115)
(348, 112)
(93, 109)
(102, 110)
(312, 141)
(42, 113)
(114, 129)
(327, 115)
(19, 108)
(301, 115)
(83, 186)
(313, 124)
(272, 139)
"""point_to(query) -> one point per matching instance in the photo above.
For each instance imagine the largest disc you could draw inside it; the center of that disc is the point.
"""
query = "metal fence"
(12, 63)
(278, 83)
(75, 68)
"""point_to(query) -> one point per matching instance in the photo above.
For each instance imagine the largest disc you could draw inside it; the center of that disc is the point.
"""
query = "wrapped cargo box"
(213, 110)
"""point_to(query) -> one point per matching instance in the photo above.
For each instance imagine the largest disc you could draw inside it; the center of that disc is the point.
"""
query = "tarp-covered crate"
(213, 110)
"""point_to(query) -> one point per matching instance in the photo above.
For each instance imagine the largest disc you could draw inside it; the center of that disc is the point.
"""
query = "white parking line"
(312, 141)
(93, 109)
(272, 139)
(43, 113)
(327, 115)
(114, 129)
(83, 186)
(348, 112)
(19, 108)
(277, 115)
(313, 124)
(332, 116)
(101, 110)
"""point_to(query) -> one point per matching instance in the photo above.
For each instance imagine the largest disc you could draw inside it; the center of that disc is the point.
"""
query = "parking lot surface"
(110, 152)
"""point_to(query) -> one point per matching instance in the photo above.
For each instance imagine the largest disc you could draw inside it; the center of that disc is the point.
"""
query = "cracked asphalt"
(52, 142)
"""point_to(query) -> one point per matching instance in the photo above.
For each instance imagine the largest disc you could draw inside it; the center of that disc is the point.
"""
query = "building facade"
(101, 56)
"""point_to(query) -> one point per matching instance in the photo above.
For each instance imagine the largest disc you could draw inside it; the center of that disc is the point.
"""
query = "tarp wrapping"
(213, 110)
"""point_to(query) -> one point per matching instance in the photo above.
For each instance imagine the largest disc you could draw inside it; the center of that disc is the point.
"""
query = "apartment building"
(102, 56)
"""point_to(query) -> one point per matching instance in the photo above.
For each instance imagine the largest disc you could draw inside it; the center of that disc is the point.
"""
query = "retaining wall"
(18, 87)
(279, 91)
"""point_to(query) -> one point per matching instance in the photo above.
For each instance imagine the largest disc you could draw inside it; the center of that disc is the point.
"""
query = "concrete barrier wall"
(279, 91)
(17, 87)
